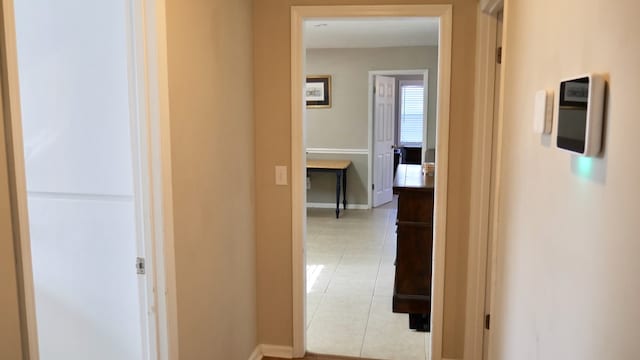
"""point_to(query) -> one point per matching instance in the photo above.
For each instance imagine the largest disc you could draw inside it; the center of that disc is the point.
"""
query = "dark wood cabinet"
(414, 252)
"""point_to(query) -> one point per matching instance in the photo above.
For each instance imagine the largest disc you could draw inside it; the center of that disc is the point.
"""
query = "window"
(411, 118)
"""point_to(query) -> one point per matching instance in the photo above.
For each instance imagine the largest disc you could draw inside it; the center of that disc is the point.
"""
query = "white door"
(74, 70)
(383, 134)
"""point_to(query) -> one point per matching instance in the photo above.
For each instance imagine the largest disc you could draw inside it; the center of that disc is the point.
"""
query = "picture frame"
(317, 91)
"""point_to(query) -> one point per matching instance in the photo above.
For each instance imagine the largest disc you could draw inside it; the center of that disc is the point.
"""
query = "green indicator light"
(585, 166)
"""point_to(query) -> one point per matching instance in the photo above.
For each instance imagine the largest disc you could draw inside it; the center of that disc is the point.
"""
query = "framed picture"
(318, 91)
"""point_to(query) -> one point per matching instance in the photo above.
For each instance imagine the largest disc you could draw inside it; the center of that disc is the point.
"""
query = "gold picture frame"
(317, 92)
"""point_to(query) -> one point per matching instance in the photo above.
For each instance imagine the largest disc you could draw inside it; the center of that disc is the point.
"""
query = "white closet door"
(75, 99)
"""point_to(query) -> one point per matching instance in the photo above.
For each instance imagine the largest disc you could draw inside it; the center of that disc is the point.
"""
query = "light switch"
(281, 175)
(543, 112)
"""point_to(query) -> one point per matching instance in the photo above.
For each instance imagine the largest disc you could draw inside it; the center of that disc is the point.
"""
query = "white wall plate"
(543, 112)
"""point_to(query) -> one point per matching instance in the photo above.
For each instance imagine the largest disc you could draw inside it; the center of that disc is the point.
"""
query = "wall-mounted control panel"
(581, 114)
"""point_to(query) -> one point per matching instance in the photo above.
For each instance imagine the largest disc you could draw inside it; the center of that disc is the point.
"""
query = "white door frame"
(372, 74)
(298, 15)
(147, 50)
(484, 189)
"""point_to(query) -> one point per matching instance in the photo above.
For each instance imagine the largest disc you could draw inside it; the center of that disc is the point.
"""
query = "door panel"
(74, 93)
(383, 117)
(86, 302)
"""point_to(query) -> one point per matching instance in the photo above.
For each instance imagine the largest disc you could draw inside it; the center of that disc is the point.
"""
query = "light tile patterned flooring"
(350, 286)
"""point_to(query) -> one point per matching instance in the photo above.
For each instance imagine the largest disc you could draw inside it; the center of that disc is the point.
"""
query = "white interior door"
(75, 89)
(383, 134)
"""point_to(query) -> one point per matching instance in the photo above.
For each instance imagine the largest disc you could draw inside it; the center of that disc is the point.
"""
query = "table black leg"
(344, 188)
(338, 173)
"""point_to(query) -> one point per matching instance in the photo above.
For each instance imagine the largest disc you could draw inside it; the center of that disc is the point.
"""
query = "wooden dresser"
(414, 252)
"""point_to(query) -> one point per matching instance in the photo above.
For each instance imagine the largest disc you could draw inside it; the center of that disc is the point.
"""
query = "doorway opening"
(352, 252)
(350, 259)
(413, 129)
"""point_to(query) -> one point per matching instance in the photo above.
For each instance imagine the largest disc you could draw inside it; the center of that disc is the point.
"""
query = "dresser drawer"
(415, 206)
(414, 251)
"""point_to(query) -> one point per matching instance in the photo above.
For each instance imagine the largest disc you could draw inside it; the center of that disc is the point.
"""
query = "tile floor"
(350, 286)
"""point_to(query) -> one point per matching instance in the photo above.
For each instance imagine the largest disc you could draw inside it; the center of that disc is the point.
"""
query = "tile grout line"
(315, 311)
(324, 290)
(373, 292)
(333, 273)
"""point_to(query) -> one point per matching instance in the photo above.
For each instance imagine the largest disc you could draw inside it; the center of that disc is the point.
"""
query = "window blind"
(411, 114)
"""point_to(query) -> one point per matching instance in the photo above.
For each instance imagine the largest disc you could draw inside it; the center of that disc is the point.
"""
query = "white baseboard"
(333, 206)
(256, 354)
(337, 151)
(276, 351)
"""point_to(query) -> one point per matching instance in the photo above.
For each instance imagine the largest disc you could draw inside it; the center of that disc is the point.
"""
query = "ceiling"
(371, 32)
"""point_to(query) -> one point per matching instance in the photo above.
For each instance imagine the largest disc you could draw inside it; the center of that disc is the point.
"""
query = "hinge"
(373, 186)
(374, 89)
(499, 55)
(140, 266)
(487, 321)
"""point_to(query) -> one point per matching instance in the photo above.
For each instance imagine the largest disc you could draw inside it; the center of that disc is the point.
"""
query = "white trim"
(333, 206)
(491, 7)
(256, 354)
(159, 167)
(298, 184)
(494, 235)
(15, 159)
(441, 183)
(298, 189)
(486, 29)
(370, 97)
(276, 351)
(141, 177)
(398, 72)
(337, 151)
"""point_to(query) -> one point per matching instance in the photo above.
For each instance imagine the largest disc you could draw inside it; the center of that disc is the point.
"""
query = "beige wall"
(10, 337)
(272, 75)
(210, 89)
(345, 124)
(569, 230)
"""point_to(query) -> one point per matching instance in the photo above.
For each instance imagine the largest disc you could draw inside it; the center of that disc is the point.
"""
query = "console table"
(414, 249)
(339, 167)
